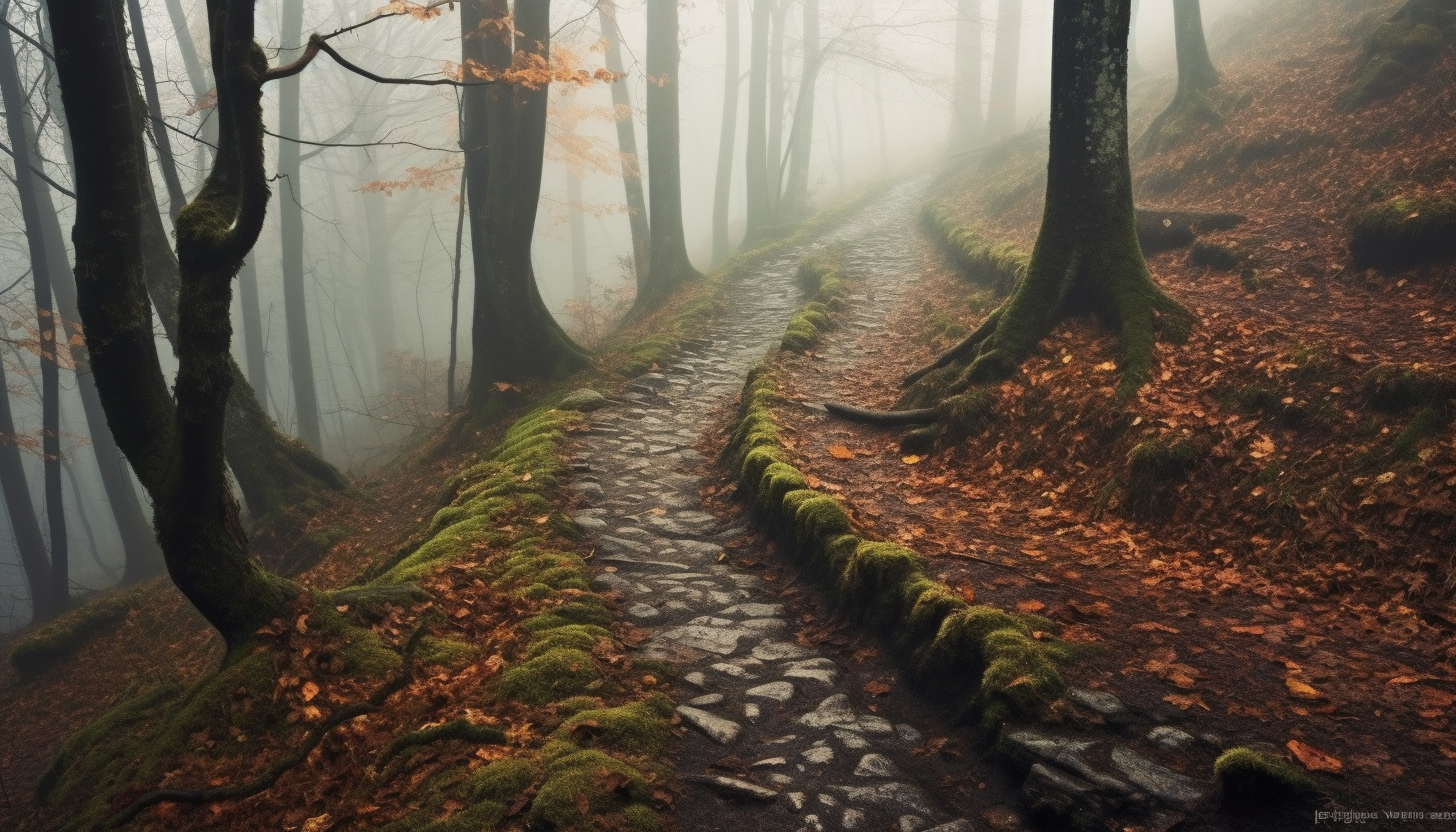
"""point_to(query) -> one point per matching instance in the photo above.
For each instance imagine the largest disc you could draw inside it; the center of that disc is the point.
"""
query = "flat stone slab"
(876, 765)
(818, 755)
(834, 711)
(718, 640)
(777, 691)
(754, 610)
(1159, 781)
(643, 611)
(889, 795)
(1173, 739)
(733, 787)
(1097, 701)
(720, 730)
(772, 651)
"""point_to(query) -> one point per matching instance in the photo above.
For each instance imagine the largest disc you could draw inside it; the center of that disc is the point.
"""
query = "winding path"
(806, 747)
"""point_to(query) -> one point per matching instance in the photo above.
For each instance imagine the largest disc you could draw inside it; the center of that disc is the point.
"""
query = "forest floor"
(1299, 588)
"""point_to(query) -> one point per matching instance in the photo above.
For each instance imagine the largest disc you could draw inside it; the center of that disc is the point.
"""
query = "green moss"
(817, 517)
(871, 582)
(1394, 388)
(446, 652)
(56, 640)
(1155, 469)
(1410, 43)
(998, 267)
(1428, 422)
(1383, 76)
(572, 637)
(588, 610)
(460, 730)
(639, 728)
(1248, 778)
(555, 674)
(1020, 672)
(1403, 232)
(965, 415)
(778, 480)
(501, 780)
(585, 789)
(757, 461)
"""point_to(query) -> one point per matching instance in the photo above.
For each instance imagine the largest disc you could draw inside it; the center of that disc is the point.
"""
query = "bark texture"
(1086, 259)
(1005, 66)
(967, 124)
(794, 206)
(728, 135)
(626, 142)
(1197, 75)
(756, 155)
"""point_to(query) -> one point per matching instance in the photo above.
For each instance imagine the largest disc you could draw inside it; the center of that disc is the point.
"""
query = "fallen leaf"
(1030, 606)
(1314, 759)
(1152, 626)
(1251, 630)
(1185, 701)
(1301, 690)
(1404, 680)
(876, 688)
(310, 690)
(910, 460)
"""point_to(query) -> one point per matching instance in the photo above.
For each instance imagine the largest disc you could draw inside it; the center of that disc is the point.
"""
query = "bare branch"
(319, 43)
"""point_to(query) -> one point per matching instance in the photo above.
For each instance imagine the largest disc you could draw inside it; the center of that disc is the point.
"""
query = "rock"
(959, 825)
(770, 762)
(910, 823)
(590, 490)
(608, 581)
(718, 640)
(852, 818)
(796, 800)
(754, 610)
(720, 730)
(907, 734)
(1159, 781)
(818, 755)
(777, 691)
(772, 651)
(874, 725)
(733, 670)
(1173, 739)
(733, 787)
(901, 796)
(590, 525)
(583, 400)
(1055, 794)
(852, 740)
(696, 679)
(832, 711)
(1034, 745)
(819, 669)
(707, 699)
(828, 800)
(698, 549)
(761, 625)
(811, 824)
(752, 712)
(643, 611)
(781, 779)
(1099, 702)
(875, 765)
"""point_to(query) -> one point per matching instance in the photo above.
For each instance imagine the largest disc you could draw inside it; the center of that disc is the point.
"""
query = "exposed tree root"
(882, 418)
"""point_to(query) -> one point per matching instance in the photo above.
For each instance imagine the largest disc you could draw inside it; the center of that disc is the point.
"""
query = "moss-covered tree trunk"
(1086, 258)
(625, 119)
(794, 206)
(967, 124)
(175, 447)
(1196, 76)
(514, 338)
(668, 266)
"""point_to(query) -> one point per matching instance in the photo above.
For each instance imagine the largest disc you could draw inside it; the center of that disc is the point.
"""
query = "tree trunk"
(197, 75)
(839, 139)
(967, 125)
(254, 346)
(514, 338)
(177, 448)
(1134, 66)
(378, 274)
(667, 262)
(455, 267)
(290, 225)
(576, 228)
(884, 136)
(756, 156)
(1005, 64)
(627, 142)
(161, 137)
(727, 136)
(1196, 76)
(18, 505)
(795, 203)
(54, 587)
(777, 98)
(1086, 258)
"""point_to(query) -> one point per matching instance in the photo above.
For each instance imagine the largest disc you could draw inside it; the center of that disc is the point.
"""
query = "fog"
(882, 108)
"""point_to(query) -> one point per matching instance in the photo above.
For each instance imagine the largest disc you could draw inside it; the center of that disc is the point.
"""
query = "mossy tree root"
(883, 418)
(265, 781)
(456, 729)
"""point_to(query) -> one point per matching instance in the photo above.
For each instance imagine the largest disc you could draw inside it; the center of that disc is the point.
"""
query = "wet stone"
(893, 796)
(772, 651)
(733, 787)
(910, 823)
(777, 691)
(707, 699)
(851, 740)
(876, 765)
(760, 625)
(752, 712)
(1100, 702)
(818, 755)
(754, 610)
(770, 762)
(1173, 739)
(590, 525)
(832, 711)
(733, 670)
(696, 679)
(643, 611)
(852, 818)
(797, 800)
(959, 825)
(711, 639)
(1158, 780)
(907, 734)
(1053, 793)
(720, 730)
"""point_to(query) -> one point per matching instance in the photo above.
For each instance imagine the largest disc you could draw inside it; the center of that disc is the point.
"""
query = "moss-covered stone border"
(981, 660)
(998, 266)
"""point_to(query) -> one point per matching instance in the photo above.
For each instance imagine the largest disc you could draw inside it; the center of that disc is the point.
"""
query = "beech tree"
(1086, 259)
(967, 124)
(728, 135)
(794, 204)
(626, 142)
(667, 262)
(756, 152)
(1005, 65)
(1196, 77)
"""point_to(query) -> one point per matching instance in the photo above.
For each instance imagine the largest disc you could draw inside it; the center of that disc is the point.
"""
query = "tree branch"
(46, 179)
(319, 43)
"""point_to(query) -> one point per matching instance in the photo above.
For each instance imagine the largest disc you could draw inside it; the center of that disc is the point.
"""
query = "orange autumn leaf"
(1030, 606)
(1154, 626)
(876, 688)
(1314, 759)
(910, 460)
(1252, 630)
(1300, 689)
(310, 690)
(1185, 701)
(840, 452)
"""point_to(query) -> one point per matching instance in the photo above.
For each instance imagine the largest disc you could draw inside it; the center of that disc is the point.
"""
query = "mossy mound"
(1398, 51)
(56, 640)
(1248, 778)
(638, 728)
(1402, 232)
(820, 277)
(1224, 258)
(1155, 469)
(998, 267)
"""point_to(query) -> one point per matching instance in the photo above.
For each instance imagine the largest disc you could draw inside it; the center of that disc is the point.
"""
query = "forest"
(786, 415)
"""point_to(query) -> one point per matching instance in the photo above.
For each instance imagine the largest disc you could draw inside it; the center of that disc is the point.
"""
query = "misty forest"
(786, 415)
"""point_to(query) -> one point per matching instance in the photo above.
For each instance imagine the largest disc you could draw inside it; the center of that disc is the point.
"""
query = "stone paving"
(809, 749)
